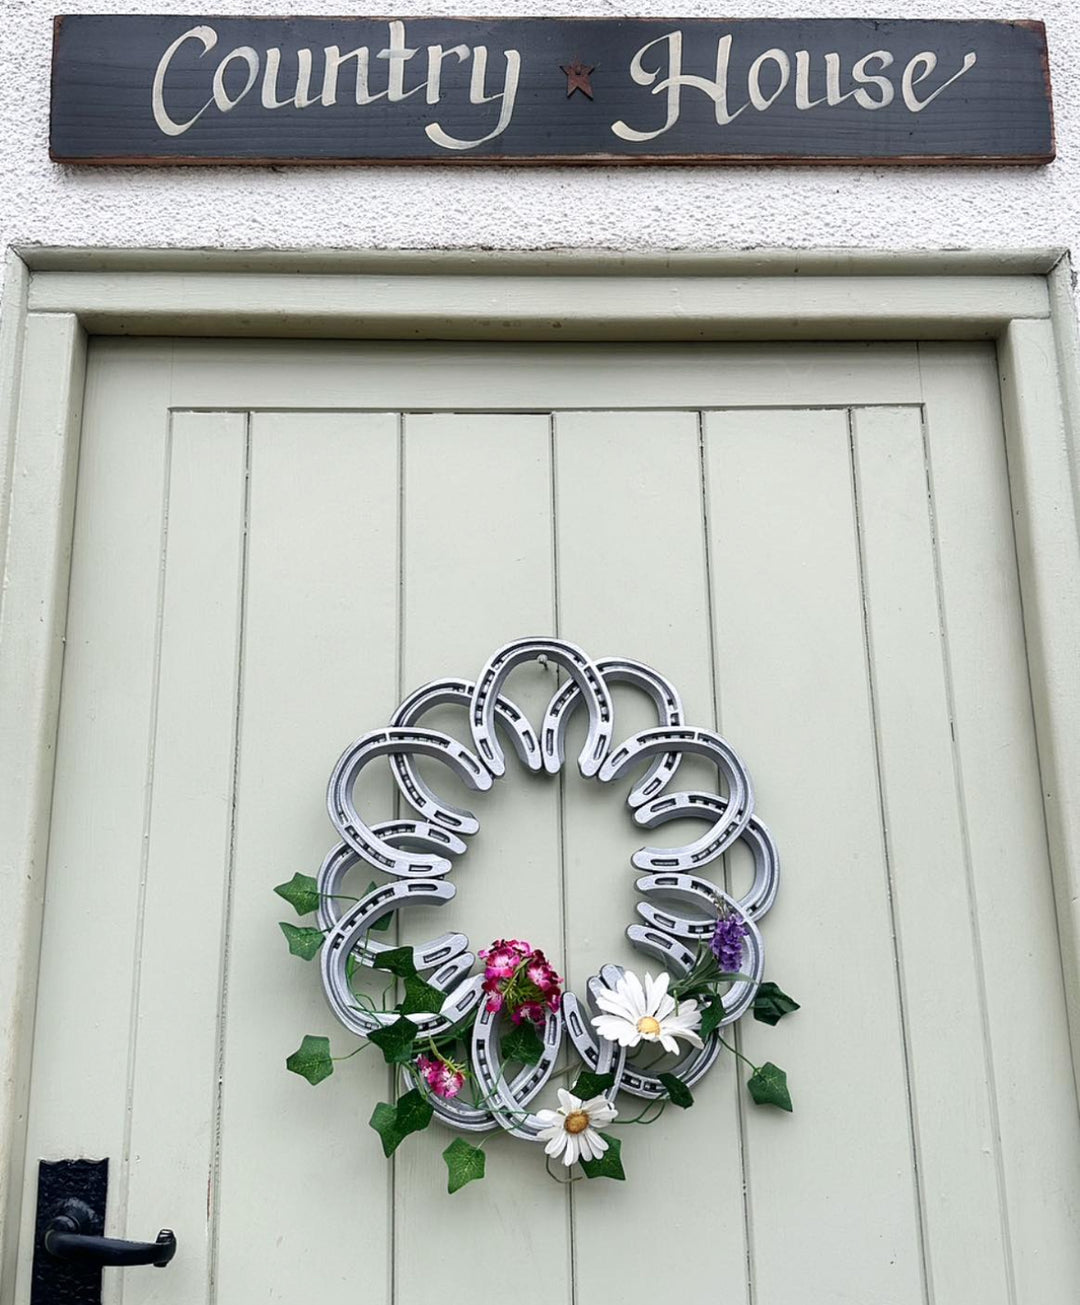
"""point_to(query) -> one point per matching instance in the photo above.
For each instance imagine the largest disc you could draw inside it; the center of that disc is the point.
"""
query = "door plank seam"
(714, 680)
(879, 783)
(122, 1179)
(399, 678)
(969, 868)
(213, 1190)
(564, 923)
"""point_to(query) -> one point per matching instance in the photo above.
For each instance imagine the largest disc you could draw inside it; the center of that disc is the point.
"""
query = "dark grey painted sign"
(169, 90)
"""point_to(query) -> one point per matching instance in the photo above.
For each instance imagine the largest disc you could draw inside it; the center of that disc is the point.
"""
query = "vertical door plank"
(303, 1206)
(478, 573)
(999, 783)
(632, 583)
(832, 1196)
(188, 850)
(42, 380)
(80, 1084)
(942, 987)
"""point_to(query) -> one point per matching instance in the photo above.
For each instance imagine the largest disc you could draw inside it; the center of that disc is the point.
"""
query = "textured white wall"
(629, 208)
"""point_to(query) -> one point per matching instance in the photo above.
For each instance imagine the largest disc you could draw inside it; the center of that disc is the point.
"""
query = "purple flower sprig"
(727, 942)
(717, 962)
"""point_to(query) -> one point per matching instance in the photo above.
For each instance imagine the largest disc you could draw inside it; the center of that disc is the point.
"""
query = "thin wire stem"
(355, 1052)
(738, 1053)
(640, 1119)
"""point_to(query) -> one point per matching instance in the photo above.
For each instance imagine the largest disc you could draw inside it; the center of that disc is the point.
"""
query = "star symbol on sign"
(577, 78)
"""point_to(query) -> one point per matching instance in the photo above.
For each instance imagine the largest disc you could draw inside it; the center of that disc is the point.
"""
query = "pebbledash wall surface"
(628, 209)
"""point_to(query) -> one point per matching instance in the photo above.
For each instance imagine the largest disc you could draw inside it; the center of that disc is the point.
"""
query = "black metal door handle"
(66, 1239)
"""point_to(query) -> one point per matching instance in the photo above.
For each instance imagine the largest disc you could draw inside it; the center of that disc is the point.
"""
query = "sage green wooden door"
(275, 542)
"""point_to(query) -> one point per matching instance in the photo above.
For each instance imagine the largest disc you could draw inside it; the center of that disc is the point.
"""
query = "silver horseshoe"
(408, 778)
(710, 806)
(580, 669)
(349, 937)
(508, 1107)
(728, 825)
(381, 743)
(618, 670)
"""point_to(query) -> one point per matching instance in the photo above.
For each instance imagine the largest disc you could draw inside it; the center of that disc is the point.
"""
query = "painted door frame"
(55, 299)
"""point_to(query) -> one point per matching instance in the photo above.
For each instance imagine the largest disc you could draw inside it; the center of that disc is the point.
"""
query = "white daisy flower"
(569, 1131)
(634, 1014)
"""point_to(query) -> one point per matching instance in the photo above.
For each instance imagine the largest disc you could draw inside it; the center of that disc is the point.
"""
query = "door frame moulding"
(553, 297)
(55, 299)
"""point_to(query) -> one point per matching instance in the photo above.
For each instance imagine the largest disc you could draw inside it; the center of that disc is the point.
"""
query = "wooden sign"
(173, 90)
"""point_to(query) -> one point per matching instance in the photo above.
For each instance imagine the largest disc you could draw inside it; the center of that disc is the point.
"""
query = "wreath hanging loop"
(707, 942)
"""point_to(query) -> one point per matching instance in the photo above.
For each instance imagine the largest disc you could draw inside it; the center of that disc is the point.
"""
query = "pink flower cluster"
(519, 979)
(443, 1077)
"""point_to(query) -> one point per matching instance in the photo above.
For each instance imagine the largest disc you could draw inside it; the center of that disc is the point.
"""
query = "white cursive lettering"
(208, 37)
(245, 54)
(301, 96)
(783, 63)
(859, 74)
(478, 95)
(658, 65)
(928, 60)
(226, 93)
(473, 77)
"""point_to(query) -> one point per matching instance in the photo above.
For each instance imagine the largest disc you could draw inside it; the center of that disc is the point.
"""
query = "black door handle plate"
(69, 1248)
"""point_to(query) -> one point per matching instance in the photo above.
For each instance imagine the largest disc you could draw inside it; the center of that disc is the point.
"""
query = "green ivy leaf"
(398, 960)
(311, 1060)
(304, 943)
(610, 1163)
(420, 997)
(394, 1123)
(678, 1093)
(464, 1162)
(384, 1121)
(395, 1041)
(351, 966)
(590, 1084)
(301, 892)
(387, 920)
(523, 1044)
(414, 1111)
(768, 1086)
(711, 1016)
(771, 1004)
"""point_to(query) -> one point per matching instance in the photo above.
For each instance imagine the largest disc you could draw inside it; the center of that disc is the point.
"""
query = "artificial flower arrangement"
(455, 1035)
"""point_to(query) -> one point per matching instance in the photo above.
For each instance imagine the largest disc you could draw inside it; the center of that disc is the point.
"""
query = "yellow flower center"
(577, 1121)
(648, 1025)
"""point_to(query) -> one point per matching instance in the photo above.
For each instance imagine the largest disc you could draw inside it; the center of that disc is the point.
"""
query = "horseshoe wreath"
(475, 1050)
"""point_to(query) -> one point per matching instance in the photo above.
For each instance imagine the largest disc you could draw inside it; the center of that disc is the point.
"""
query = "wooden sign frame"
(168, 90)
